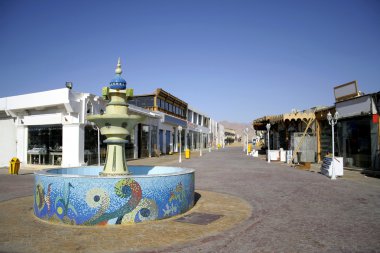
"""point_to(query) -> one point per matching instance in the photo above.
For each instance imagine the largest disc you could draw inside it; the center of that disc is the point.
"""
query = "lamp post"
(200, 143)
(180, 144)
(268, 129)
(332, 121)
(246, 136)
(209, 141)
(95, 127)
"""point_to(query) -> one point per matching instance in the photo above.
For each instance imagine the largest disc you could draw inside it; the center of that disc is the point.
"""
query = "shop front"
(45, 144)
(357, 132)
(354, 141)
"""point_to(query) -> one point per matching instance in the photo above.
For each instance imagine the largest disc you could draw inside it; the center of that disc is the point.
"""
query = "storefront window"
(153, 140)
(45, 144)
(354, 141)
(168, 143)
(143, 140)
(129, 148)
(91, 146)
(183, 136)
(188, 140)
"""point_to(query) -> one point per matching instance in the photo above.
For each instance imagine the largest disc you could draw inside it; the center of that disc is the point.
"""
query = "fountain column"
(116, 124)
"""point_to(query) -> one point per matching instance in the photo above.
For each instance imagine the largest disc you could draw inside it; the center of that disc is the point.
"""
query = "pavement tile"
(286, 210)
(17, 216)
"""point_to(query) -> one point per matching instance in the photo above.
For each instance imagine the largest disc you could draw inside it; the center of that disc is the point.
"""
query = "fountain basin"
(79, 196)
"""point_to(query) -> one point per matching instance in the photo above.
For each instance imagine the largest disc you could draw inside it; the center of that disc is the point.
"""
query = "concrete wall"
(8, 146)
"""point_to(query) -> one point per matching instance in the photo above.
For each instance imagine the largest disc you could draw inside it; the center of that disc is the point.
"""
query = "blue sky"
(233, 60)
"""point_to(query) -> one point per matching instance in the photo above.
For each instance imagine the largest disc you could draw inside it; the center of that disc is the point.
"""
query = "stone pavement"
(270, 207)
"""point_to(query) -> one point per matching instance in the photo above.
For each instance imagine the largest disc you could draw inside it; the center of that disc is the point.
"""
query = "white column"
(72, 145)
(186, 134)
(158, 136)
(150, 141)
(171, 142)
(175, 141)
(22, 143)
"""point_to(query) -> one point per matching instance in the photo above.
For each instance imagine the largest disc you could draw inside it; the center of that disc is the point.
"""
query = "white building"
(198, 130)
(50, 127)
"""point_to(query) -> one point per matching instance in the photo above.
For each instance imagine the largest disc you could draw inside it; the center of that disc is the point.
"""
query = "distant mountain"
(238, 127)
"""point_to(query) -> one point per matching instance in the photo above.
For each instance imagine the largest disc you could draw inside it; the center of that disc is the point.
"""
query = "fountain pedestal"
(116, 124)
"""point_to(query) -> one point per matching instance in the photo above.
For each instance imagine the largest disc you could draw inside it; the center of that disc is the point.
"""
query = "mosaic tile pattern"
(92, 200)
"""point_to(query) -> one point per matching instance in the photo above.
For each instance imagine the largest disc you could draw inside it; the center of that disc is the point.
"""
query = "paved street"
(291, 210)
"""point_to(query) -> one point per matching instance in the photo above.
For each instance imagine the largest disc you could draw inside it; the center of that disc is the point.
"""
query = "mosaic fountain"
(115, 193)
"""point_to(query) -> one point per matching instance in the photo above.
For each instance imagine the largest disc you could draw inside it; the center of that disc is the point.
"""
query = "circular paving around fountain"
(212, 214)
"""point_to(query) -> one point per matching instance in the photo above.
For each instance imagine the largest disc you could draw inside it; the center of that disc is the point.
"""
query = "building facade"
(50, 128)
(309, 135)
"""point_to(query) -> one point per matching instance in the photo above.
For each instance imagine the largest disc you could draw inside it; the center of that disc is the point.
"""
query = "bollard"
(249, 148)
(187, 153)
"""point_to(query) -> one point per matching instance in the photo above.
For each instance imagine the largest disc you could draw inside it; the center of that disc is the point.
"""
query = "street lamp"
(200, 143)
(268, 129)
(209, 141)
(95, 127)
(246, 136)
(180, 147)
(332, 121)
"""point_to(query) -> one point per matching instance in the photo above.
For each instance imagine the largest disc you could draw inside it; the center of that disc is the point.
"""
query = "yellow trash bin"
(14, 165)
(187, 153)
(219, 146)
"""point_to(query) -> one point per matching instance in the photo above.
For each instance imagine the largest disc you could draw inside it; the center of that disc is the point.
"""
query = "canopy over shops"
(305, 115)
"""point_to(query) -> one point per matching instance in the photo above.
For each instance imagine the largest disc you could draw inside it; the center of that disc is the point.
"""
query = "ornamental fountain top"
(116, 124)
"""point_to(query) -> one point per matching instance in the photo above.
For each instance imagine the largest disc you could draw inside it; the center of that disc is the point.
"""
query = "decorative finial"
(118, 83)
(118, 70)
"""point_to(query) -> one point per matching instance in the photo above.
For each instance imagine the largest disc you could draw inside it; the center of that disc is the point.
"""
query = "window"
(189, 116)
(42, 140)
(91, 146)
(142, 101)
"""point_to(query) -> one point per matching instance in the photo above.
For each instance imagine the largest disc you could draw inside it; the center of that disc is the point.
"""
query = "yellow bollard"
(249, 148)
(187, 153)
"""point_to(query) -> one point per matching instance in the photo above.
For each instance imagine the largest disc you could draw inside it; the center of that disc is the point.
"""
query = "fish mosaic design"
(119, 201)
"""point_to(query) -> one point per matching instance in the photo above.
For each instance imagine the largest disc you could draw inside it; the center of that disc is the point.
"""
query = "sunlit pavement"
(260, 207)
